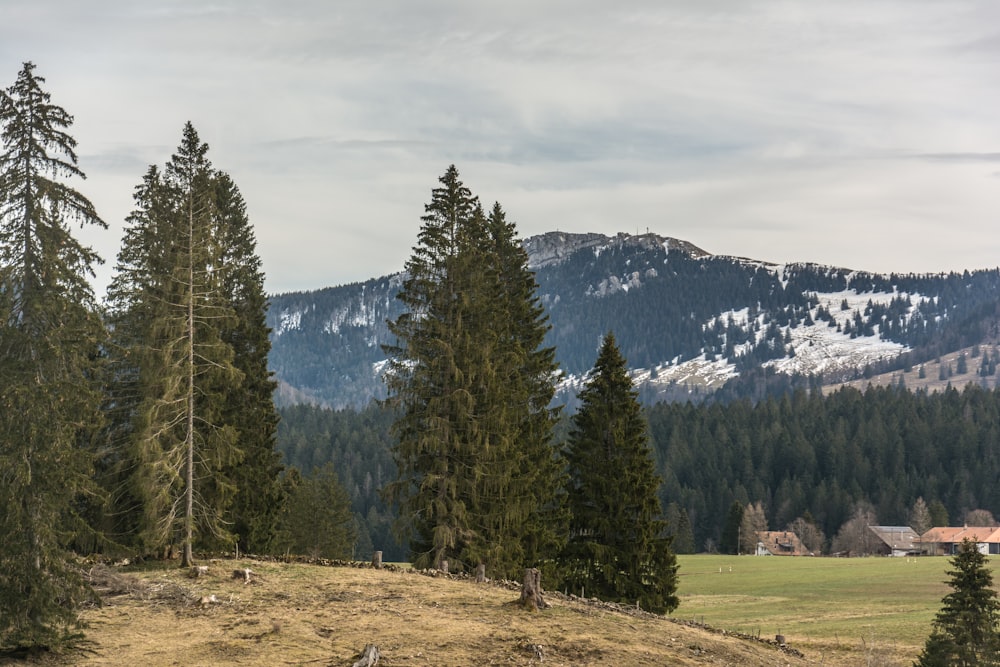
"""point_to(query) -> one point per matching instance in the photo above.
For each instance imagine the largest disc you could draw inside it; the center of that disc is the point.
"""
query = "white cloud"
(750, 127)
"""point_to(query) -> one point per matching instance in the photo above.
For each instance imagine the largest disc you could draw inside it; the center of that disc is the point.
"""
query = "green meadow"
(823, 606)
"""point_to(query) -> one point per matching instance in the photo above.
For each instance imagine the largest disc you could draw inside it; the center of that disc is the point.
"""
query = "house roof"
(897, 538)
(782, 542)
(953, 534)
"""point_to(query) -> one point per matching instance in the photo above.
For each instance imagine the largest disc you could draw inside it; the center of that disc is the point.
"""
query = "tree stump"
(443, 566)
(531, 590)
(245, 574)
(377, 560)
(481, 573)
(369, 657)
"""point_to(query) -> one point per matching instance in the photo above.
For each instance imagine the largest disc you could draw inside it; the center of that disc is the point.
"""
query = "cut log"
(531, 590)
(377, 560)
(481, 573)
(369, 657)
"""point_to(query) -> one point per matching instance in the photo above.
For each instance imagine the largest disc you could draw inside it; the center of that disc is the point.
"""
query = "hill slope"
(307, 614)
(687, 321)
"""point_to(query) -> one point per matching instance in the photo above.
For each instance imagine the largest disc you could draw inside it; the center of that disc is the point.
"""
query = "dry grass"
(297, 614)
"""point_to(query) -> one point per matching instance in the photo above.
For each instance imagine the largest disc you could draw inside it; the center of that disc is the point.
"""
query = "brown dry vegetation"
(301, 614)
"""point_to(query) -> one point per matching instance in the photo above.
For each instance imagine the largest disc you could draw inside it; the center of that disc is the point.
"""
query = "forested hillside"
(690, 323)
(799, 455)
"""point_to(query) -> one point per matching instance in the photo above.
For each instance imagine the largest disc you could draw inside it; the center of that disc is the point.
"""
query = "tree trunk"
(531, 590)
(188, 559)
(369, 657)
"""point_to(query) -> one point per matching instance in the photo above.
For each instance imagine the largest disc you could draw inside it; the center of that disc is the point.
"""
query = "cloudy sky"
(860, 133)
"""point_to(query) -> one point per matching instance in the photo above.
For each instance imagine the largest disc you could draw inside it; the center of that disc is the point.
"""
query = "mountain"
(693, 325)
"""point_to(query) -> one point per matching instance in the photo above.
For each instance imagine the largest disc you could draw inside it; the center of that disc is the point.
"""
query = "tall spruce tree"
(50, 333)
(965, 629)
(194, 420)
(477, 479)
(729, 542)
(534, 516)
(249, 406)
(617, 549)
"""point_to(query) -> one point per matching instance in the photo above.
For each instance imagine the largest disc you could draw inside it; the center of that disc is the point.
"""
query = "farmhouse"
(896, 541)
(780, 543)
(944, 541)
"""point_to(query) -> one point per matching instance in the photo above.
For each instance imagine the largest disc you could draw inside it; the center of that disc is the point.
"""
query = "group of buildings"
(890, 541)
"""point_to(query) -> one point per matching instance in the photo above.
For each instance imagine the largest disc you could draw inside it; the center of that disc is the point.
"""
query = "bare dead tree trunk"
(531, 590)
(188, 558)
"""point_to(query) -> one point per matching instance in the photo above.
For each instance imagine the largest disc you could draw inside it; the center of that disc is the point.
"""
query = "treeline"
(357, 446)
(806, 454)
(798, 455)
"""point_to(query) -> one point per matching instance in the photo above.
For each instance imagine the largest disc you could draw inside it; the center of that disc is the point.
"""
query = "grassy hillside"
(298, 614)
(871, 611)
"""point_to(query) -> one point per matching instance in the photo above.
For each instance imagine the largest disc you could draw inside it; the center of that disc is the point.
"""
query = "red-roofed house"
(944, 541)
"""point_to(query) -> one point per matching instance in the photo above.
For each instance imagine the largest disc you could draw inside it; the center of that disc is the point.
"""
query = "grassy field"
(826, 607)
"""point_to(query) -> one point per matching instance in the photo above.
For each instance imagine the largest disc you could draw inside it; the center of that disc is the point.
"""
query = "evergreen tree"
(531, 514)
(938, 513)
(317, 521)
(250, 404)
(616, 550)
(477, 473)
(962, 365)
(729, 543)
(427, 380)
(50, 334)
(965, 629)
(683, 537)
(194, 422)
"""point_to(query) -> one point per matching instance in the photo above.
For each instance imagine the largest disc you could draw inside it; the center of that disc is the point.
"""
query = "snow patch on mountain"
(817, 348)
(288, 321)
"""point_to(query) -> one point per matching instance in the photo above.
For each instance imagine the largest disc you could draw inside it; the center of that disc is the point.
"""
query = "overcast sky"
(859, 133)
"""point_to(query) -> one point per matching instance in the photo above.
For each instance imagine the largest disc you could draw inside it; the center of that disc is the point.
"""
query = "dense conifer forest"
(801, 454)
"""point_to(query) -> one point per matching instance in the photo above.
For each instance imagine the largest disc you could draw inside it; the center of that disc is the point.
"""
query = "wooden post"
(481, 573)
(377, 560)
(531, 590)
